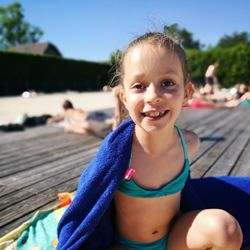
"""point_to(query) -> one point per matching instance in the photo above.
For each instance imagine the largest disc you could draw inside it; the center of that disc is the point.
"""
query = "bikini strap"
(184, 145)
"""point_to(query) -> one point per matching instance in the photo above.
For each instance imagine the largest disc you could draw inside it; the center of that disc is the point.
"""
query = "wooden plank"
(40, 186)
(32, 180)
(227, 160)
(50, 167)
(46, 150)
(37, 145)
(29, 133)
(242, 167)
(189, 116)
(33, 203)
(205, 127)
(214, 133)
(211, 150)
(39, 159)
(209, 117)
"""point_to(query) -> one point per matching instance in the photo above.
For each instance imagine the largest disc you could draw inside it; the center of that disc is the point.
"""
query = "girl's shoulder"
(192, 141)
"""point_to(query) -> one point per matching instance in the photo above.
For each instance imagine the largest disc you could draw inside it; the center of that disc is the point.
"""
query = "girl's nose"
(152, 94)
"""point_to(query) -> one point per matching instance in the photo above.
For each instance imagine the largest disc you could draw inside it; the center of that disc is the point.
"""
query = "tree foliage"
(14, 29)
(183, 35)
(234, 64)
(232, 52)
(229, 41)
(115, 57)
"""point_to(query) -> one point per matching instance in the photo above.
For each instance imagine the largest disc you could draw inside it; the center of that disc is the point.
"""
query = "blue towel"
(88, 222)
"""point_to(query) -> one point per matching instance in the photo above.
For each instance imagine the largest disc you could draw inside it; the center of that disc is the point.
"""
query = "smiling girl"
(143, 166)
(155, 86)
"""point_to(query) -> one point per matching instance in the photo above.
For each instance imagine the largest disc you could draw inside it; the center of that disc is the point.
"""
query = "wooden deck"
(38, 163)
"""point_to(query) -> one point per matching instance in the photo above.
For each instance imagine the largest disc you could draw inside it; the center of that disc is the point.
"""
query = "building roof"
(44, 48)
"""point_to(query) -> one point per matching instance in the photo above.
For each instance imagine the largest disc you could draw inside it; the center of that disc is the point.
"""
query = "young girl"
(143, 166)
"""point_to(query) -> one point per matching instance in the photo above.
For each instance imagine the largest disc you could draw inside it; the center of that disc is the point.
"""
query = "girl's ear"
(123, 97)
(189, 90)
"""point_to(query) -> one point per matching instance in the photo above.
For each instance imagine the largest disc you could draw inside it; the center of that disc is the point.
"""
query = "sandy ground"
(11, 107)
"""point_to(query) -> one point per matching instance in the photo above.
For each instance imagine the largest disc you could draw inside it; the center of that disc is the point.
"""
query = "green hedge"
(20, 72)
(234, 64)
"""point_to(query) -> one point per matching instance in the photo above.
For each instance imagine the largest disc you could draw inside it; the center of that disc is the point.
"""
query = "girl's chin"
(154, 129)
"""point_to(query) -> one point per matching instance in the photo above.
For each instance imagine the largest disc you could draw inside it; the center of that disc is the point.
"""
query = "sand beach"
(39, 104)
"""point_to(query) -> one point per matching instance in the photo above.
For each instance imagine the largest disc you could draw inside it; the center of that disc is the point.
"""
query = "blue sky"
(92, 29)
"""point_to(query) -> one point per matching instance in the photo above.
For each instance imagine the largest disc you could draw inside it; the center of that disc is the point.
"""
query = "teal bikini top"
(130, 188)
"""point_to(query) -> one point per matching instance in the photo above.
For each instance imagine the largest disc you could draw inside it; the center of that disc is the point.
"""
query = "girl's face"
(153, 87)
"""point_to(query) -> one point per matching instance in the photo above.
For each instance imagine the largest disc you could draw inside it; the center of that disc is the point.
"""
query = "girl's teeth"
(155, 114)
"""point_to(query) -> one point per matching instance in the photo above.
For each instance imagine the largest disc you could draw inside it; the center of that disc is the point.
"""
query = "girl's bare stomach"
(145, 219)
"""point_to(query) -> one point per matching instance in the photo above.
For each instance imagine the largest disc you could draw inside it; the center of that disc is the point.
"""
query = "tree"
(14, 29)
(229, 41)
(115, 57)
(183, 35)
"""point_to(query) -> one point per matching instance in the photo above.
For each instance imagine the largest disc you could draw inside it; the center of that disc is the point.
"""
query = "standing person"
(210, 78)
(142, 167)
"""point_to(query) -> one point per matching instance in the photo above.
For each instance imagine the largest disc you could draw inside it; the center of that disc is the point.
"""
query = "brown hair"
(67, 105)
(153, 38)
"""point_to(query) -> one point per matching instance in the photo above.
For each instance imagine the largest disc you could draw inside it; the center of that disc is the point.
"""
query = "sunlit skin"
(153, 81)
(153, 84)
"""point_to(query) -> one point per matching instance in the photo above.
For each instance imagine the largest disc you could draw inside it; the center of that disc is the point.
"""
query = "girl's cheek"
(130, 100)
(178, 94)
(133, 99)
(173, 95)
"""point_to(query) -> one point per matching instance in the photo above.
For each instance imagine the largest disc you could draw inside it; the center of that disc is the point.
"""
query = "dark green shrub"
(20, 72)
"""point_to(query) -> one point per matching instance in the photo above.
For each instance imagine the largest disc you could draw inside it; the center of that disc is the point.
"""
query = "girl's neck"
(154, 143)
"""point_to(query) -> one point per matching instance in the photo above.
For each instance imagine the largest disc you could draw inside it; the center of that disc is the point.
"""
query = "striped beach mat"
(39, 232)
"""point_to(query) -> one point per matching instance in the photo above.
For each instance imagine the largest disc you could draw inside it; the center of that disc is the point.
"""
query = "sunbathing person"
(220, 100)
(243, 99)
(83, 122)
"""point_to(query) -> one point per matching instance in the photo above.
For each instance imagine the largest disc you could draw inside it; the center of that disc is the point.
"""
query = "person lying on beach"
(219, 100)
(83, 122)
(242, 100)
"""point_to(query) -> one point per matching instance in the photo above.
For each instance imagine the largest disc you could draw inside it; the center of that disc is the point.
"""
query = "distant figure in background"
(241, 89)
(82, 122)
(240, 96)
(210, 79)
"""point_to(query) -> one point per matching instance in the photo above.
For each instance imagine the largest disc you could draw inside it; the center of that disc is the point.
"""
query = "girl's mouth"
(155, 114)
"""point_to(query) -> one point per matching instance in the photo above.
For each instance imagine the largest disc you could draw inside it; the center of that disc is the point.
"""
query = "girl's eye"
(168, 83)
(138, 86)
